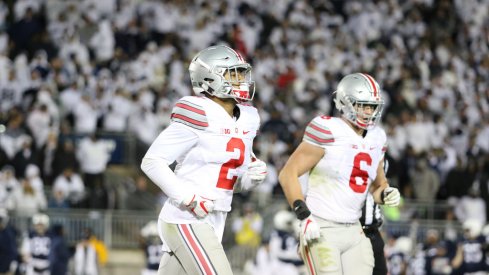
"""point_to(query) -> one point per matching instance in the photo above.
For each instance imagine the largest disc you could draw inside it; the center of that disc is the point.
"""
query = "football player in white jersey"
(210, 137)
(36, 247)
(344, 159)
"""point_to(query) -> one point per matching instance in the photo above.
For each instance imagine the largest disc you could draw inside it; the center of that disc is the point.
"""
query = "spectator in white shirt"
(27, 201)
(8, 185)
(85, 258)
(39, 122)
(74, 50)
(119, 109)
(86, 115)
(471, 206)
(69, 185)
(94, 155)
(32, 174)
(103, 42)
(10, 92)
(69, 97)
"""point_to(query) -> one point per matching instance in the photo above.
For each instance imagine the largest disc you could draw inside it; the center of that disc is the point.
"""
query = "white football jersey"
(338, 184)
(212, 150)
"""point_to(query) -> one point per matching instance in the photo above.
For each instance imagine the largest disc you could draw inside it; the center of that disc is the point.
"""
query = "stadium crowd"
(84, 67)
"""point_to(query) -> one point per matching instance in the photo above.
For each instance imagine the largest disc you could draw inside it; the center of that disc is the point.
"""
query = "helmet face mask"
(359, 100)
(222, 72)
(239, 78)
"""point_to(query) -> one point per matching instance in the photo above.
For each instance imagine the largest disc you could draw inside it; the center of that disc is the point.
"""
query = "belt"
(328, 223)
(219, 205)
(290, 261)
(370, 228)
(40, 270)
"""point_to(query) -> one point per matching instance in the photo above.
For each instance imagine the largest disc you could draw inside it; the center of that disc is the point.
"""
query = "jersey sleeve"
(318, 133)
(383, 141)
(172, 143)
(189, 112)
(252, 115)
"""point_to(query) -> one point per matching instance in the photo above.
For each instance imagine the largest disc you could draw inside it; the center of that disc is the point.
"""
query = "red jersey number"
(224, 182)
(357, 172)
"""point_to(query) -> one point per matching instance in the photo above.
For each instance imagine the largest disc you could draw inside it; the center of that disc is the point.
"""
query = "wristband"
(382, 197)
(301, 210)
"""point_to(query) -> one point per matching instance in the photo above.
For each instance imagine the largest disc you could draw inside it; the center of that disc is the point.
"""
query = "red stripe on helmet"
(372, 82)
(240, 58)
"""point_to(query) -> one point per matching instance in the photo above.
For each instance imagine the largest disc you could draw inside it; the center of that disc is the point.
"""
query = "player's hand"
(198, 205)
(392, 197)
(257, 171)
(310, 230)
(255, 175)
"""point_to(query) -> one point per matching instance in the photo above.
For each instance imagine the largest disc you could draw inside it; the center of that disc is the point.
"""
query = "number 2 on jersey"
(359, 173)
(224, 182)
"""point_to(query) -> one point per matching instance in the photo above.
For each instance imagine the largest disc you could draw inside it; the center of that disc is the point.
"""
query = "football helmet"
(209, 67)
(404, 245)
(150, 229)
(40, 219)
(359, 100)
(284, 221)
(472, 228)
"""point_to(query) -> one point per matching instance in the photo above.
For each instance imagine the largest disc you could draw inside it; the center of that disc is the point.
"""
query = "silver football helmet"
(284, 221)
(208, 69)
(150, 229)
(40, 218)
(40, 222)
(359, 100)
(472, 228)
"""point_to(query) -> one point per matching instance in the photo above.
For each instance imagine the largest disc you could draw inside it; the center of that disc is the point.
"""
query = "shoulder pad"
(189, 112)
(382, 137)
(318, 133)
(251, 111)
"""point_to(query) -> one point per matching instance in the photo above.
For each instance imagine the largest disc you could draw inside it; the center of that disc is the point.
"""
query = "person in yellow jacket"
(99, 246)
(248, 227)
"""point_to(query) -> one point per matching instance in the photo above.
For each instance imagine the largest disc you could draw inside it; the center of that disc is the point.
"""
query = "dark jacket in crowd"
(59, 255)
(8, 248)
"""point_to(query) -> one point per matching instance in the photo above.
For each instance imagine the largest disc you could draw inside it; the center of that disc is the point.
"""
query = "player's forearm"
(290, 185)
(377, 195)
(159, 172)
(377, 192)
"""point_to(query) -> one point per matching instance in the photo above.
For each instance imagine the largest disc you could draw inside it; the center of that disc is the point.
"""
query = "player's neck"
(228, 104)
(355, 128)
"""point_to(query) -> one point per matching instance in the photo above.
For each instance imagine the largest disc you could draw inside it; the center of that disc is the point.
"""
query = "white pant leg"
(359, 259)
(170, 265)
(197, 248)
(341, 249)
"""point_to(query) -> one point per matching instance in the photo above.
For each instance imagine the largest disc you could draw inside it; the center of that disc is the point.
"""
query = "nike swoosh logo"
(245, 132)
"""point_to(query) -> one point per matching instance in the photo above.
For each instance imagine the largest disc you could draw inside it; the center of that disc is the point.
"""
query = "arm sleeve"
(318, 134)
(173, 142)
(385, 145)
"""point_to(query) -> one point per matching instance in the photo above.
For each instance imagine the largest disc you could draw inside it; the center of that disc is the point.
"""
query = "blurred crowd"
(79, 68)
